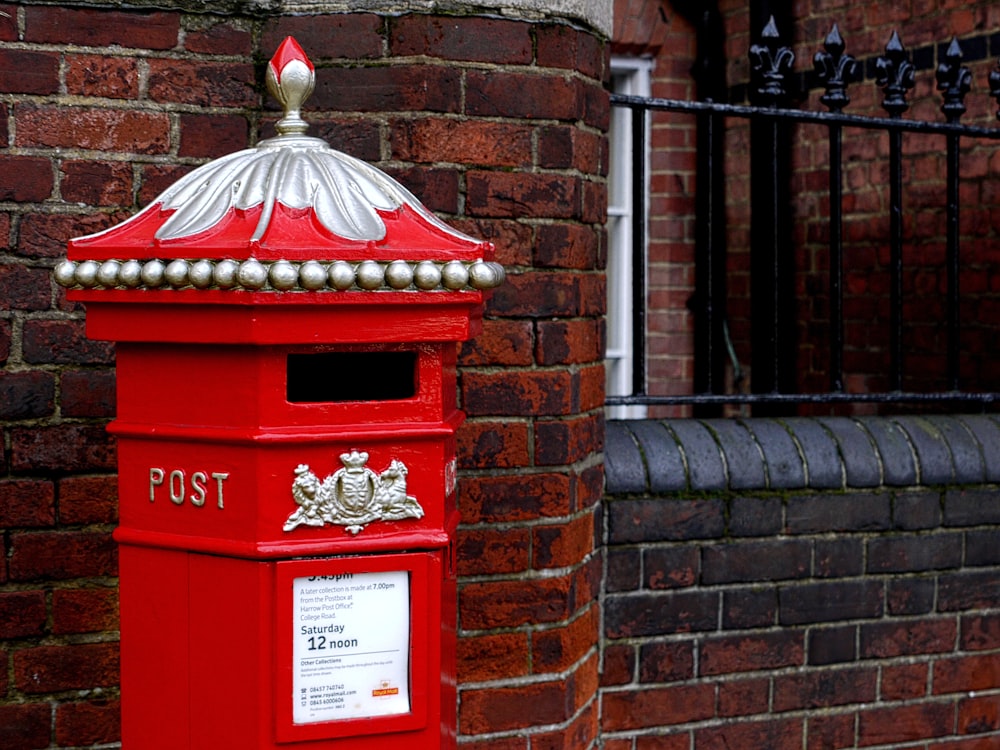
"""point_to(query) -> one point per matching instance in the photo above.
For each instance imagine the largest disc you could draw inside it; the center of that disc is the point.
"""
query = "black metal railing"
(773, 378)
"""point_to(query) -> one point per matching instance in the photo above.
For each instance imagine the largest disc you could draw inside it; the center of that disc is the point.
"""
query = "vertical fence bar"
(954, 80)
(895, 76)
(771, 263)
(638, 250)
(836, 70)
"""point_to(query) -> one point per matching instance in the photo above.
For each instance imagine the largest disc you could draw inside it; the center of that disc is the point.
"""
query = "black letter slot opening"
(330, 377)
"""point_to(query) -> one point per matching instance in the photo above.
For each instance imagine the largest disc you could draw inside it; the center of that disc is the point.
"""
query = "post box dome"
(290, 214)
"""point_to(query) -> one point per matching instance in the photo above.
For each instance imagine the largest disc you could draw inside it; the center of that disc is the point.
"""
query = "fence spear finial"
(835, 70)
(769, 62)
(954, 82)
(895, 76)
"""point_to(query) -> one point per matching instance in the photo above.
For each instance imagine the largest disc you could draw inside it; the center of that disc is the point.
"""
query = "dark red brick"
(26, 394)
(351, 35)
(212, 135)
(97, 183)
(103, 76)
(980, 632)
(45, 235)
(490, 144)
(662, 706)
(63, 342)
(499, 709)
(22, 613)
(393, 88)
(87, 393)
(100, 28)
(563, 544)
(28, 72)
(5, 340)
(156, 178)
(455, 38)
(90, 723)
(568, 342)
(84, 610)
(510, 603)
(514, 498)
(492, 656)
(437, 189)
(966, 673)
(540, 392)
(979, 714)
(907, 638)
(222, 38)
(826, 688)
(774, 734)
(206, 84)
(562, 46)
(750, 653)
(540, 295)
(49, 669)
(558, 649)
(903, 681)
(491, 444)
(24, 288)
(567, 246)
(25, 725)
(905, 723)
(26, 503)
(62, 448)
(112, 130)
(567, 441)
(501, 342)
(744, 697)
(493, 551)
(509, 194)
(524, 96)
(666, 661)
(88, 499)
(27, 179)
(62, 555)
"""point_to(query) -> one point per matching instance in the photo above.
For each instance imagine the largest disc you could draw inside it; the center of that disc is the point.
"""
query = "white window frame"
(630, 76)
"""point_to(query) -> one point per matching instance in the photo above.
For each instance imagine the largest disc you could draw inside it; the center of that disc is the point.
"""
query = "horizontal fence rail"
(772, 364)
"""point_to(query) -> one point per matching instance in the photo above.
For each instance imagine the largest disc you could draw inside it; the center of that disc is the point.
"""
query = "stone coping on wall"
(676, 455)
(597, 14)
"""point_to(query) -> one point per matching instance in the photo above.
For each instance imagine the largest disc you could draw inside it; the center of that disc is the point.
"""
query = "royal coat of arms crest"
(352, 496)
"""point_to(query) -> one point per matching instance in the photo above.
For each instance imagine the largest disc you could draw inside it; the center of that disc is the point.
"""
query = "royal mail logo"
(385, 688)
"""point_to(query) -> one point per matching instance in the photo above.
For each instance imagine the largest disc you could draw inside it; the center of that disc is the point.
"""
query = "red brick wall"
(497, 125)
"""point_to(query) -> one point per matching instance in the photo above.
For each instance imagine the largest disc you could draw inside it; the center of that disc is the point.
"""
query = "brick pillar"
(499, 125)
(496, 123)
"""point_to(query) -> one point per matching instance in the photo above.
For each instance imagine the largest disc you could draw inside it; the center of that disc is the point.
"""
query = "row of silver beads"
(279, 275)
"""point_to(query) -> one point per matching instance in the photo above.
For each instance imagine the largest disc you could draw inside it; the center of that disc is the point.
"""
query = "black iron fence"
(770, 122)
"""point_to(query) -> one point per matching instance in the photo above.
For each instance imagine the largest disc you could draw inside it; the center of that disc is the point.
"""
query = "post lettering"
(180, 488)
(155, 480)
(198, 480)
(219, 477)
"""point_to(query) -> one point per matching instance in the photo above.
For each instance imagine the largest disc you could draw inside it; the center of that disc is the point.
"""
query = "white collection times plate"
(350, 649)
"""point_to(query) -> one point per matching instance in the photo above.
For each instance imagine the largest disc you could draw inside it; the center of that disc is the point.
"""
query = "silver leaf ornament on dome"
(293, 169)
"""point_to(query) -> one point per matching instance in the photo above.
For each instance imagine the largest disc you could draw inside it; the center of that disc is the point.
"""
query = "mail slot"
(286, 321)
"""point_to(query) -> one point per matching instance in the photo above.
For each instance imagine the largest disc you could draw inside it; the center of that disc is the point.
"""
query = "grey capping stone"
(861, 466)
(662, 454)
(706, 470)
(899, 467)
(987, 434)
(624, 470)
(966, 458)
(744, 461)
(784, 464)
(820, 452)
(933, 456)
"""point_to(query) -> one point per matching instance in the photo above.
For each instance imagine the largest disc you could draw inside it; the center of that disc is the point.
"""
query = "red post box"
(285, 320)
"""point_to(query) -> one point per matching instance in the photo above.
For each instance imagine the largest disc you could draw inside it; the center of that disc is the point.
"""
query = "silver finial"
(290, 79)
